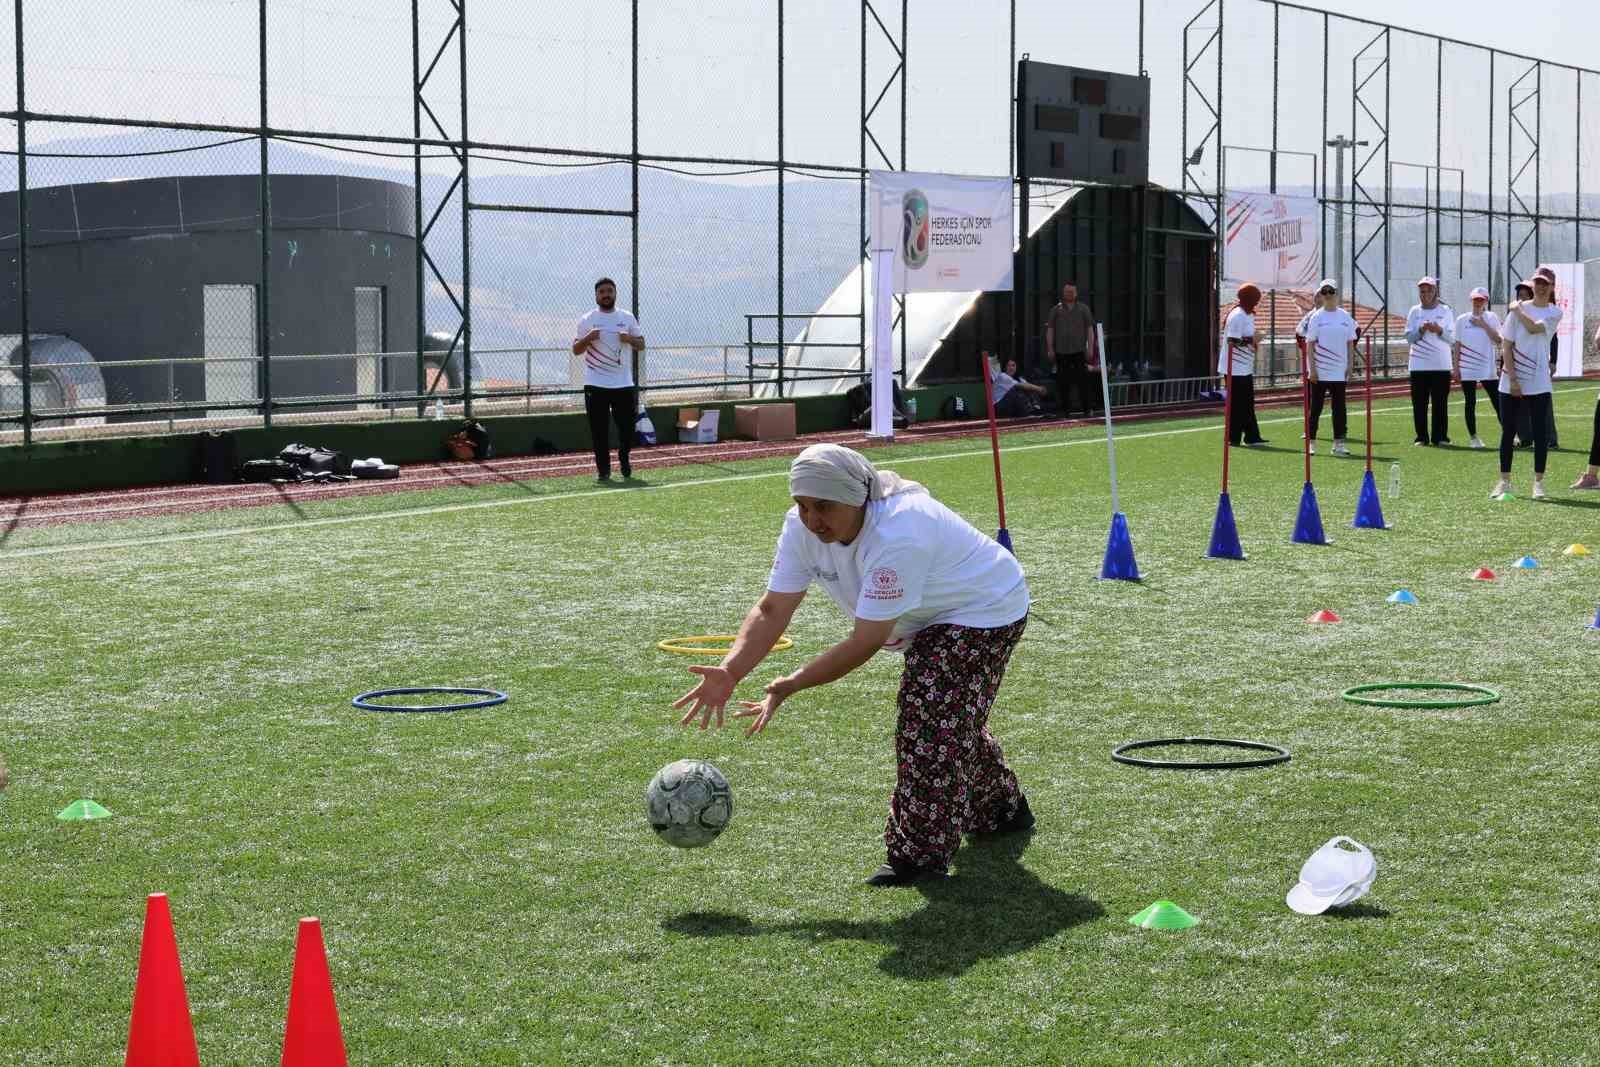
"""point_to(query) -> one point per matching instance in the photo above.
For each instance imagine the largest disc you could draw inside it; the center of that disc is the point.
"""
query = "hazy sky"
(555, 73)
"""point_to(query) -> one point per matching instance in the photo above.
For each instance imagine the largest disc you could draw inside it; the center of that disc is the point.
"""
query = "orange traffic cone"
(311, 1036)
(160, 1033)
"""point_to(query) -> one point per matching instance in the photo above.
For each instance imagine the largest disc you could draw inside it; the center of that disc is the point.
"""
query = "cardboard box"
(764, 422)
(696, 427)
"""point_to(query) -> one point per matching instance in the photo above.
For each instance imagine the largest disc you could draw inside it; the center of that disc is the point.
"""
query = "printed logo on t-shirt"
(884, 584)
(826, 576)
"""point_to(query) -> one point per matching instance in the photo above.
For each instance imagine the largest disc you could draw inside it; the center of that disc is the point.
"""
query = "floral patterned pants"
(951, 774)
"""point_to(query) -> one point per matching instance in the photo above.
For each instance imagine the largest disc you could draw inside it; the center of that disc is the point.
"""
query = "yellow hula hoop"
(695, 646)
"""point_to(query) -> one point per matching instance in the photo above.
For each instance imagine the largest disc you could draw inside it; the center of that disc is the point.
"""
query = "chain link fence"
(230, 213)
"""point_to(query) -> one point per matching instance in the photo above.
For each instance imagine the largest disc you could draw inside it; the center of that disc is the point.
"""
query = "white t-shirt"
(1003, 384)
(915, 561)
(607, 362)
(1532, 349)
(1305, 321)
(1478, 360)
(1329, 335)
(1240, 324)
(1431, 351)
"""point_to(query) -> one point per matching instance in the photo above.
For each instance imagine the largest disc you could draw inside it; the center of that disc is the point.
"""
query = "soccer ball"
(688, 803)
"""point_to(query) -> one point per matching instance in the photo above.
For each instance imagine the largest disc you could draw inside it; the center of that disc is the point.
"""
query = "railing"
(781, 374)
(144, 396)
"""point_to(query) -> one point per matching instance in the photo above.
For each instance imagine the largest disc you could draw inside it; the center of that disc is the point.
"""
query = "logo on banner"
(916, 238)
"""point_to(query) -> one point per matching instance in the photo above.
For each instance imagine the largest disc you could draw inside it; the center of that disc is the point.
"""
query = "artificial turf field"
(491, 894)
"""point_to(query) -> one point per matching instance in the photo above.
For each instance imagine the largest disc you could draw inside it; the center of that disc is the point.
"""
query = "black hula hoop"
(1481, 694)
(1279, 754)
(491, 698)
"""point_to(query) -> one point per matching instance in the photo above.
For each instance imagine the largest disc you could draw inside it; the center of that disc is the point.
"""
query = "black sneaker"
(1019, 822)
(890, 875)
(602, 479)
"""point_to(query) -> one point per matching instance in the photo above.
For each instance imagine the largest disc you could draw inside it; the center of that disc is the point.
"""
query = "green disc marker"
(1503, 497)
(1163, 915)
(82, 811)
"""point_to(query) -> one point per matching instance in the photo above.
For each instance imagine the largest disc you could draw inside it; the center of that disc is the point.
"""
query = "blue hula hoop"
(491, 698)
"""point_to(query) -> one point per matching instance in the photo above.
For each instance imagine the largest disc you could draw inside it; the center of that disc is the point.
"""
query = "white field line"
(445, 509)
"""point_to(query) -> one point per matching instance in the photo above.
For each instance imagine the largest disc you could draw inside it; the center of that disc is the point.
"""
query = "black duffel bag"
(269, 470)
(314, 459)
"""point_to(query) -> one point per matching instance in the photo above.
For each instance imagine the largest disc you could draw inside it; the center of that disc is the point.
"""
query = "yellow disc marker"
(703, 646)
(1577, 550)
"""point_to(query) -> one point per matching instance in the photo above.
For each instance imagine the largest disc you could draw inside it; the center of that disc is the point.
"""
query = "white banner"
(951, 233)
(1274, 241)
(883, 264)
(1569, 294)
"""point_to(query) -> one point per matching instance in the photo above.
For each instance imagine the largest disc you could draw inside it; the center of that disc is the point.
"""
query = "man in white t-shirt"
(1525, 378)
(1431, 329)
(1238, 351)
(1330, 334)
(601, 338)
(914, 577)
(1476, 354)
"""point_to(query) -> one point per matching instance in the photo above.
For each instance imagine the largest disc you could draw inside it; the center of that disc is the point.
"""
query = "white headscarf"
(833, 472)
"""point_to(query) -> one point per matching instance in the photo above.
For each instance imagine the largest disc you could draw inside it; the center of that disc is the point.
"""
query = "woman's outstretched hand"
(762, 711)
(711, 695)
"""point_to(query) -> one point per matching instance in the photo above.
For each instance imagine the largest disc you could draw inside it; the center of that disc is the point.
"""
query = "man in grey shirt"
(1069, 337)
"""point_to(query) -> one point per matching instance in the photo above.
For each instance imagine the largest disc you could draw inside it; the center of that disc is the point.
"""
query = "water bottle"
(1394, 481)
(438, 410)
(911, 408)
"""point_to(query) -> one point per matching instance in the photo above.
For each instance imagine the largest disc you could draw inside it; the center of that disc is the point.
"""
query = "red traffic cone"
(1483, 574)
(160, 1033)
(311, 1036)
(1323, 616)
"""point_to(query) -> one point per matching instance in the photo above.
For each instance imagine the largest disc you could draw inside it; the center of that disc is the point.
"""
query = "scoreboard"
(1082, 125)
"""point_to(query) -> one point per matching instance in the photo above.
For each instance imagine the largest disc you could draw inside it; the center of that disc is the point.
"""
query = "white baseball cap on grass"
(1333, 876)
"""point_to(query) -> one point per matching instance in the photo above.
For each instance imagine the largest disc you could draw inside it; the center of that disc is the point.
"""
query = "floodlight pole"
(1340, 145)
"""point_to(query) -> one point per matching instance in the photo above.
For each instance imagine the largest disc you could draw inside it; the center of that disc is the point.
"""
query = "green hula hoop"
(1482, 694)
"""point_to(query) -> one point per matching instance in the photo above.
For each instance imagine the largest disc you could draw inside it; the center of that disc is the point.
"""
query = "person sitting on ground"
(859, 398)
(1014, 396)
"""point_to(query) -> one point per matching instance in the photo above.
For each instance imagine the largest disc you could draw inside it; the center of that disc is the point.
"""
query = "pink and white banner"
(1569, 294)
(1273, 241)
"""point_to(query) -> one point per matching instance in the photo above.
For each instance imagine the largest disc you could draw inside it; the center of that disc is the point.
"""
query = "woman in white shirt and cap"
(915, 577)
(1476, 353)
(1525, 378)
(1431, 329)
